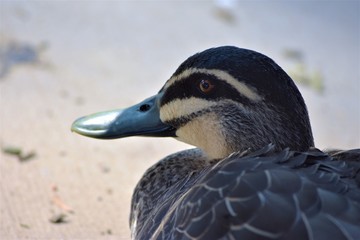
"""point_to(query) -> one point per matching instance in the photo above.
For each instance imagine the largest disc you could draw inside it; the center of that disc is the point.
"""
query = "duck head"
(221, 100)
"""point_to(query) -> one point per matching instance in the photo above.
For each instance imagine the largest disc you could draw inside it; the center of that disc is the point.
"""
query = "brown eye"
(206, 86)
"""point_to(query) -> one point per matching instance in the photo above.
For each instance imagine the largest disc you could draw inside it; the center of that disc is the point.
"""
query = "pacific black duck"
(255, 173)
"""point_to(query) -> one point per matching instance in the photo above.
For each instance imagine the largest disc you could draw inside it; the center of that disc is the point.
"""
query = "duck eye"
(206, 86)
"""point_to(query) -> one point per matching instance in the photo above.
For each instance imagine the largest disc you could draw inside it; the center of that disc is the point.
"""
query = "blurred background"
(64, 59)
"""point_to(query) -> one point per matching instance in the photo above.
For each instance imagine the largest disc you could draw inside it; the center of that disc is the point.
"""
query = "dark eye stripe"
(181, 121)
(188, 87)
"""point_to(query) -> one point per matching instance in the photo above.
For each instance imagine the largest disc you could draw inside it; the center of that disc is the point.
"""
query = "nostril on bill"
(144, 107)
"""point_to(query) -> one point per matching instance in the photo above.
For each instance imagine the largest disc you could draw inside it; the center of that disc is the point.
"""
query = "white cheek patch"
(241, 87)
(184, 107)
(205, 133)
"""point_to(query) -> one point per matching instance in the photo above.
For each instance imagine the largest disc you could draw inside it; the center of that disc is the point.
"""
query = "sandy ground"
(61, 60)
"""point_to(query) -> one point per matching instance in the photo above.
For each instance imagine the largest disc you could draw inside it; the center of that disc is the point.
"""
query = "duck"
(254, 173)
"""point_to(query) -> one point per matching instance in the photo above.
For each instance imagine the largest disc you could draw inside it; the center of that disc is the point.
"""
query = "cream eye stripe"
(242, 88)
(179, 108)
(183, 107)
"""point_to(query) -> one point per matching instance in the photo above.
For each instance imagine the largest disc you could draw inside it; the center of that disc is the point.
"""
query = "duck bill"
(142, 119)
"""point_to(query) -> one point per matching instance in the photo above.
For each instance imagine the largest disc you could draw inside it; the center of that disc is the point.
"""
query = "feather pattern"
(262, 195)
